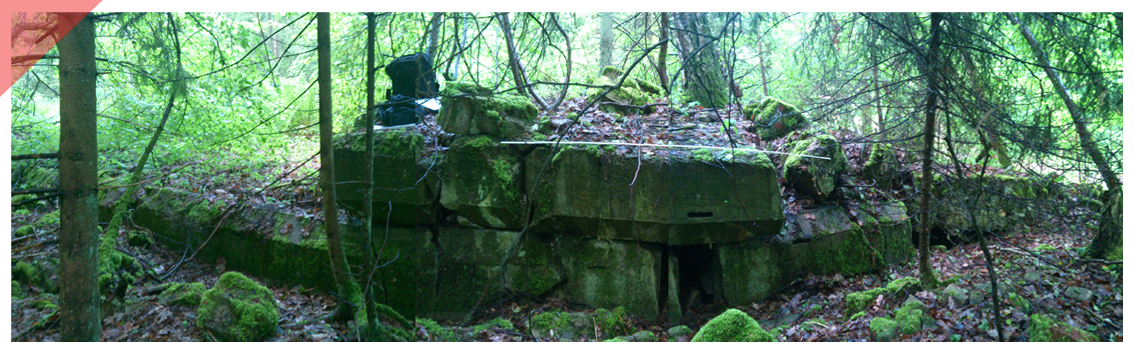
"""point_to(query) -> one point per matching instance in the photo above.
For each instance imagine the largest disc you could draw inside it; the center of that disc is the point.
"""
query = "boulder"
(631, 93)
(1078, 293)
(573, 326)
(958, 294)
(815, 177)
(468, 109)
(187, 294)
(732, 326)
(773, 118)
(884, 329)
(238, 309)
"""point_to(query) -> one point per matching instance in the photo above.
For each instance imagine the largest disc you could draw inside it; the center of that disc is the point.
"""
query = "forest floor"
(810, 309)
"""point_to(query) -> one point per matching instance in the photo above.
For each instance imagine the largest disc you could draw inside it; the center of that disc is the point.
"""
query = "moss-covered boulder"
(23, 231)
(573, 326)
(17, 291)
(815, 177)
(621, 99)
(773, 118)
(606, 273)
(858, 301)
(884, 329)
(881, 166)
(482, 182)
(1043, 328)
(238, 309)
(732, 326)
(187, 294)
(40, 274)
(50, 220)
(910, 317)
(468, 109)
(406, 176)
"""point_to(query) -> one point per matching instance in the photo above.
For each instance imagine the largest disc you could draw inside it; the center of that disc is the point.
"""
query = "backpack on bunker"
(412, 81)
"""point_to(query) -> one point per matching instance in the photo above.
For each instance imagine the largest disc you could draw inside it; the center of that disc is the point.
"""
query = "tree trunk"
(128, 196)
(1108, 238)
(764, 69)
(78, 179)
(349, 293)
(925, 272)
(606, 39)
(434, 33)
(663, 76)
(514, 64)
(704, 82)
(567, 39)
(368, 166)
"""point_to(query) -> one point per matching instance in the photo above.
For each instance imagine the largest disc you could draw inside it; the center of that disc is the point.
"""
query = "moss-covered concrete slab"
(631, 93)
(455, 269)
(257, 239)
(1004, 201)
(483, 182)
(703, 196)
(537, 268)
(405, 175)
(607, 273)
(774, 118)
(815, 177)
(467, 109)
(573, 326)
(829, 241)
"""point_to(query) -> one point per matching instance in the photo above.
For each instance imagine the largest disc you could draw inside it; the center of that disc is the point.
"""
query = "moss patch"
(1044, 329)
(187, 294)
(732, 326)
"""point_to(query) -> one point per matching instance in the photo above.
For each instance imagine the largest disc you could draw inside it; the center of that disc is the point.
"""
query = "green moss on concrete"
(1042, 328)
(813, 176)
(732, 326)
(249, 305)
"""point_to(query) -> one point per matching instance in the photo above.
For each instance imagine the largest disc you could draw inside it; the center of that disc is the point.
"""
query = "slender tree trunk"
(764, 69)
(128, 197)
(925, 272)
(567, 39)
(434, 33)
(368, 166)
(78, 178)
(347, 290)
(1110, 236)
(606, 39)
(514, 64)
(663, 76)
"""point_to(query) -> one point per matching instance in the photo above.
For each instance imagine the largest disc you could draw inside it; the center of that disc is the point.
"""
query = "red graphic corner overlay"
(34, 29)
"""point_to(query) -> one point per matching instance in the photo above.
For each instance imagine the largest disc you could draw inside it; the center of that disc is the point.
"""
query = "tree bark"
(514, 64)
(925, 272)
(368, 164)
(663, 76)
(1109, 235)
(347, 290)
(434, 33)
(704, 81)
(606, 39)
(78, 178)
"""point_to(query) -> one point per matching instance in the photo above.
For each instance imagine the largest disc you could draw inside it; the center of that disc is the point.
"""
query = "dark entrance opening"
(699, 274)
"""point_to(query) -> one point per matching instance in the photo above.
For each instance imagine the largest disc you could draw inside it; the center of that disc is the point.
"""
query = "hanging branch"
(514, 64)
(563, 93)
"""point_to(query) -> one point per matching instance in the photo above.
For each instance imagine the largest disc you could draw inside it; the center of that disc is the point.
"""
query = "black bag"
(400, 110)
(412, 76)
